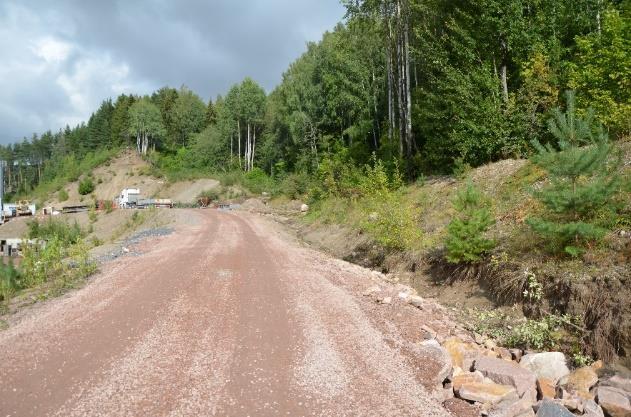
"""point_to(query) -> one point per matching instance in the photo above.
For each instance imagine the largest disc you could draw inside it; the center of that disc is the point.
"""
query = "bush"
(52, 228)
(295, 185)
(465, 242)
(213, 194)
(258, 181)
(63, 195)
(391, 222)
(9, 281)
(86, 186)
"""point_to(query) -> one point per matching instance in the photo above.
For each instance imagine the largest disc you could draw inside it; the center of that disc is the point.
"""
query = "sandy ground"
(228, 316)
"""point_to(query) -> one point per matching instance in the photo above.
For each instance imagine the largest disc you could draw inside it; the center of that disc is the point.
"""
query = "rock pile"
(500, 382)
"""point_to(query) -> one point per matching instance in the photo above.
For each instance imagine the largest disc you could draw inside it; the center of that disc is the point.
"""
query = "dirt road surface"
(228, 316)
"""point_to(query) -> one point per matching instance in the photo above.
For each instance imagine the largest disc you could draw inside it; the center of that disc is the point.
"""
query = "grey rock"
(614, 401)
(552, 409)
(509, 373)
(551, 365)
(591, 409)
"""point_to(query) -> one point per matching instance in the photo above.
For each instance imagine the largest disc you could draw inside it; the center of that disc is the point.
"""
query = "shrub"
(465, 242)
(9, 284)
(258, 181)
(584, 180)
(213, 194)
(108, 205)
(86, 186)
(391, 222)
(295, 185)
(63, 195)
(53, 228)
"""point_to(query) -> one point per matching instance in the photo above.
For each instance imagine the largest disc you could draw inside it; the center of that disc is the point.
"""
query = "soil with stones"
(227, 316)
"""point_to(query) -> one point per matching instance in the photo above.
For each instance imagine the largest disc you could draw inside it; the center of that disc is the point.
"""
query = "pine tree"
(583, 180)
(465, 241)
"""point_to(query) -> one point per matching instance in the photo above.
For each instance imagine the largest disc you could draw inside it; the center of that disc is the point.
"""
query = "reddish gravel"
(228, 316)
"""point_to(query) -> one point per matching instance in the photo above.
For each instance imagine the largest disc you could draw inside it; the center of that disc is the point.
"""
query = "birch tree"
(145, 122)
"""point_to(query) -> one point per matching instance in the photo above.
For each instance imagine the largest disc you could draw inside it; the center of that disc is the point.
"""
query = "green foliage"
(9, 281)
(295, 185)
(213, 194)
(257, 181)
(466, 241)
(583, 177)
(57, 262)
(536, 334)
(390, 220)
(86, 186)
(600, 73)
(63, 195)
(52, 228)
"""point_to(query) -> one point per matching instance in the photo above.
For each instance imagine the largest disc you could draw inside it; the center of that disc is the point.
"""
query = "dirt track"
(226, 317)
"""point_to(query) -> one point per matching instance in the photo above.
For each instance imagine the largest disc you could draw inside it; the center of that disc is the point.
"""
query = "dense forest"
(425, 85)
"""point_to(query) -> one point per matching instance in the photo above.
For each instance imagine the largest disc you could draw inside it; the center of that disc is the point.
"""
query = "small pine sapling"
(583, 180)
(466, 241)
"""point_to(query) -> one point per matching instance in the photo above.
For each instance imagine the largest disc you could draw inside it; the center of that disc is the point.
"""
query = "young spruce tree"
(583, 179)
(465, 241)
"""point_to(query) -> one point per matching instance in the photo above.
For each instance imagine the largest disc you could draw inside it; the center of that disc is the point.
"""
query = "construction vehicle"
(23, 208)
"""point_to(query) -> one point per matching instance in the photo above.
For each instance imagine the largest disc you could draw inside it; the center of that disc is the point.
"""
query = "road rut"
(225, 317)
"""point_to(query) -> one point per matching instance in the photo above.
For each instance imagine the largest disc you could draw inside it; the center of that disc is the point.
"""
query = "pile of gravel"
(124, 248)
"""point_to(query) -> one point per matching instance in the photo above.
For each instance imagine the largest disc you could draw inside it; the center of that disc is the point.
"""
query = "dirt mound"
(187, 191)
(126, 171)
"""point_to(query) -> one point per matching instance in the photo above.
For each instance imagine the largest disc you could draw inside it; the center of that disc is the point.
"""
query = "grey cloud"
(145, 44)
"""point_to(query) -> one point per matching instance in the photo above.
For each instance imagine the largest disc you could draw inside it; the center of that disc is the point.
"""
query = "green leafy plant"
(63, 195)
(86, 186)
(465, 242)
(583, 180)
(9, 281)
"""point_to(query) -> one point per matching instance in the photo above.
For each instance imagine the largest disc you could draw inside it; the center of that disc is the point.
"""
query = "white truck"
(128, 198)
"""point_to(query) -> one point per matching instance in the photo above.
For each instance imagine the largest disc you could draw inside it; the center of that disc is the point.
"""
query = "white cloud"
(51, 50)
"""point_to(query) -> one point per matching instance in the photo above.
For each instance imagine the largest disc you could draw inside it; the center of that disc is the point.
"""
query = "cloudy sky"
(59, 59)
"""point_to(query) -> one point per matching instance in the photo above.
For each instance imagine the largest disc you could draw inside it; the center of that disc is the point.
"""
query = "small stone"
(551, 365)
(429, 333)
(509, 373)
(486, 392)
(432, 352)
(386, 300)
(479, 339)
(504, 353)
(403, 295)
(125, 250)
(370, 291)
(546, 388)
(517, 354)
(551, 409)
(614, 401)
(416, 301)
(304, 208)
(490, 344)
(373, 217)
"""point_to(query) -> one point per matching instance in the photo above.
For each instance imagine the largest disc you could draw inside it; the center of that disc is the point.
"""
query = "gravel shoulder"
(226, 316)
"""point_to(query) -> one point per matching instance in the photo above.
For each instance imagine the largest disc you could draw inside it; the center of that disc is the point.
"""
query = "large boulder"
(591, 409)
(551, 409)
(550, 365)
(614, 401)
(439, 357)
(512, 408)
(581, 381)
(509, 373)
(618, 382)
(486, 392)
(462, 353)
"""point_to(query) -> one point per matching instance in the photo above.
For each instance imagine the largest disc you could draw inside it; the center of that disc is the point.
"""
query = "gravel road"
(227, 316)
